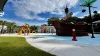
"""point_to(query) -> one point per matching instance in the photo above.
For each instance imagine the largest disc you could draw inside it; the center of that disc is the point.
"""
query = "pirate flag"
(66, 10)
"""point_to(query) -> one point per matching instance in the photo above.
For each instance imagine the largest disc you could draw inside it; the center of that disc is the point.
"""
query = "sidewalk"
(67, 48)
(64, 48)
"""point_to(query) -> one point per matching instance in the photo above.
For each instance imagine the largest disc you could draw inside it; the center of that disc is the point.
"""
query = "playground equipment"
(24, 29)
(43, 29)
(33, 31)
(74, 35)
(64, 28)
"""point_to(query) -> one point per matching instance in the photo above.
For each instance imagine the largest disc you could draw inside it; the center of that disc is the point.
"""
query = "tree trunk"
(91, 21)
(2, 28)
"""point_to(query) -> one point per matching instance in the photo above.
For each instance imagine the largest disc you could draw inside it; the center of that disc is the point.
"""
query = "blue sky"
(37, 12)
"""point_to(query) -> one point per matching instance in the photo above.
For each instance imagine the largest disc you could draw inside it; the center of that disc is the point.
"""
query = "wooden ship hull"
(65, 29)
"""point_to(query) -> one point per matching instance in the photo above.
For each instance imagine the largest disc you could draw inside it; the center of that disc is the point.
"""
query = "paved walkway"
(59, 48)
(63, 48)
(14, 34)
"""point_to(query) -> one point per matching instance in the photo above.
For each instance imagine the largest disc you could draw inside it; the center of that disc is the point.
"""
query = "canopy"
(2, 3)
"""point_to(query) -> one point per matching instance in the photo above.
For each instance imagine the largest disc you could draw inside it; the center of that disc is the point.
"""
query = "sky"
(37, 12)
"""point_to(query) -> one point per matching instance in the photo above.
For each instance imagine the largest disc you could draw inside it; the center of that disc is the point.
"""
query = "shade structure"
(2, 4)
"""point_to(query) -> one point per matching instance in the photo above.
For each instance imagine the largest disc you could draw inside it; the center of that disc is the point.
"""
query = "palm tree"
(88, 3)
(15, 28)
(72, 19)
(8, 24)
(26, 24)
(33, 28)
(2, 23)
(52, 20)
(13, 25)
(96, 17)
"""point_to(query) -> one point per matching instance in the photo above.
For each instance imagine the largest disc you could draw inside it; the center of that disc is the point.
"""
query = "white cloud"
(37, 23)
(76, 13)
(20, 23)
(39, 18)
(24, 7)
(8, 20)
(84, 15)
(87, 14)
(1, 14)
(99, 11)
(81, 17)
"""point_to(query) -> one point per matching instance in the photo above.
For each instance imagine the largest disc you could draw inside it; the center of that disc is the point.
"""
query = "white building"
(39, 29)
(49, 29)
(5, 28)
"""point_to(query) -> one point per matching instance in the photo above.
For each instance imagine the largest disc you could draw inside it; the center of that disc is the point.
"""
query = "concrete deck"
(64, 48)
(59, 48)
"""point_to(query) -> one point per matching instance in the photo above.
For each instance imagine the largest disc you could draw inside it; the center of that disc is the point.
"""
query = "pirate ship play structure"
(65, 29)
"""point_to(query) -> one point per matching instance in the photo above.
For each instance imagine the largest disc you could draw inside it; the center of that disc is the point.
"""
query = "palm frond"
(87, 2)
(92, 1)
(84, 4)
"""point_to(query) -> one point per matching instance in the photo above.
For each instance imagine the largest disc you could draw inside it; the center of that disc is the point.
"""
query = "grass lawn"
(17, 46)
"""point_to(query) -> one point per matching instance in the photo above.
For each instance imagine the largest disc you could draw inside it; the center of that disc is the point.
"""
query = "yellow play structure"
(33, 31)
